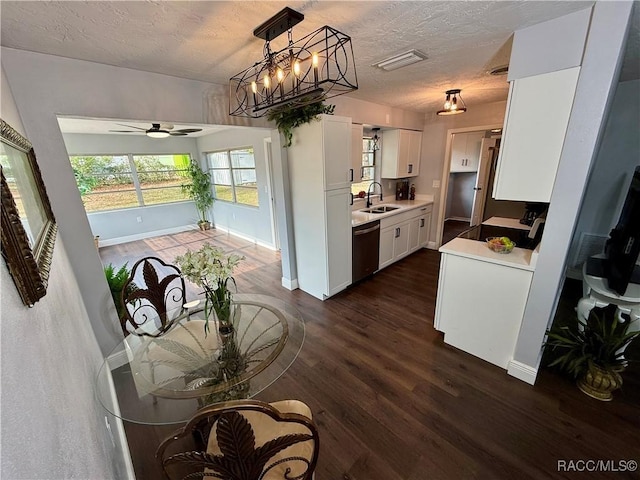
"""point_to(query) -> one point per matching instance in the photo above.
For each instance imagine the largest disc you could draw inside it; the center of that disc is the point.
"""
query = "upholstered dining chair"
(244, 440)
(153, 289)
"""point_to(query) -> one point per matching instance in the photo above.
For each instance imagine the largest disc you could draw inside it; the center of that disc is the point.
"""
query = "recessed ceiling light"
(401, 60)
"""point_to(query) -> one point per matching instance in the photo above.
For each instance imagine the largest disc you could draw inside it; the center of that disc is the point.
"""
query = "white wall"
(244, 220)
(52, 424)
(613, 167)
(123, 225)
(598, 78)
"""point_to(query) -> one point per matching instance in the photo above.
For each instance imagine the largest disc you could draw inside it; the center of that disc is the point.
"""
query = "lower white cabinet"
(480, 305)
(403, 234)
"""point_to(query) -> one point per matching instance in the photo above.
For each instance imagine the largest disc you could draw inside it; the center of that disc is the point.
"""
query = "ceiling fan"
(158, 130)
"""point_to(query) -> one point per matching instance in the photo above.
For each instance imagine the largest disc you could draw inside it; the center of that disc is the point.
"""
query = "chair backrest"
(244, 440)
(153, 289)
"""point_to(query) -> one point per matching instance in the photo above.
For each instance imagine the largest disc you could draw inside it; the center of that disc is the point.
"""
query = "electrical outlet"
(139, 219)
(389, 185)
(436, 184)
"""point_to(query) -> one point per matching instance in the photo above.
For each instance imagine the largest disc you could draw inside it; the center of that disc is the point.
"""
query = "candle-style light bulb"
(314, 63)
(454, 103)
(447, 102)
(296, 76)
(280, 77)
(267, 81)
(296, 68)
(254, 89)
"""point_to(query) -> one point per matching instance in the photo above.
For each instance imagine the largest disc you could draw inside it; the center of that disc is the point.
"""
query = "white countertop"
(518, 258)
(358, 217)
(506, 222)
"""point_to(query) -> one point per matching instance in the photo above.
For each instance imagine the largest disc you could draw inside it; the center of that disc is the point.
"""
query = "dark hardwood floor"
(453, 228)
(392, 401)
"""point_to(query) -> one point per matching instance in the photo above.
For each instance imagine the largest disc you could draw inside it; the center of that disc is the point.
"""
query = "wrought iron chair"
(244, 440)
(153, 289)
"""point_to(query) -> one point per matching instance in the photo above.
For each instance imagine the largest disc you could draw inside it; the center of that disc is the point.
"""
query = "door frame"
(446, 169)
(275, 237)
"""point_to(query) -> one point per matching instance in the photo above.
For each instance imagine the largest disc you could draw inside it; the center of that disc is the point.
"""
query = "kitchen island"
(481, 298)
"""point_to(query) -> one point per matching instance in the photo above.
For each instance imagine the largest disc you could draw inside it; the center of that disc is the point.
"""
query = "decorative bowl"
(498, 245)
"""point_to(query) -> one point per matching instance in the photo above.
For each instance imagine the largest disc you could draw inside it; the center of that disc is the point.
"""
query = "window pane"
(244, 177)
(221, 177)
(368, 173)
(166, 194)
(161, 168)
(218, 160)
(247, 195)
(368, 159)
(243, 158)
(356, 188)
(110, 200)
(224, 193)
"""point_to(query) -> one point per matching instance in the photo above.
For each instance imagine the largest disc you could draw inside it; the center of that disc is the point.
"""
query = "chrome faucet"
(369, 193)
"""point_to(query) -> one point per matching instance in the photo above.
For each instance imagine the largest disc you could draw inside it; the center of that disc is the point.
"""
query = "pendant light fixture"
(376, 139)
(309, 70)
(453, 103)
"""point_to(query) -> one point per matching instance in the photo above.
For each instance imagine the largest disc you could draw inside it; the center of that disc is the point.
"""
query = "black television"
(622, 247)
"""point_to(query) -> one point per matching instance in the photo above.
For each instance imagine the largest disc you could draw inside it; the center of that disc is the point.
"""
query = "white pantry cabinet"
(538, 110)
(356, 152)
(401, 153)
(319, 163)
(465, 151)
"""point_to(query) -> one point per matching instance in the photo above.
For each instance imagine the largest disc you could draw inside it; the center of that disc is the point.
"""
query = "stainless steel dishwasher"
(366, 245)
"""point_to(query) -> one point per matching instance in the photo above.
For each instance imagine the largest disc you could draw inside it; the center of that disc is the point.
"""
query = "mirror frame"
(28, 264)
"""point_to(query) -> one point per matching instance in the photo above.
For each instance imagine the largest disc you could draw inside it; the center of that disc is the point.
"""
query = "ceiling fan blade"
(123, 131)
(188, 130)
(131, 126)
(177, 134)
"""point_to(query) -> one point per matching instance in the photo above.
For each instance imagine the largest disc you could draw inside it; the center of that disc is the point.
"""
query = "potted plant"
(292, 115)
(199, 190)
(593, 353)
(116, 281)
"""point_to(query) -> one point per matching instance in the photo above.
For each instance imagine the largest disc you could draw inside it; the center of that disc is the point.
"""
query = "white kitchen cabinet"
(401, 153)
(465, 151)
(319, 161)
(538, 110)
(356, 152)
(480, 305)
(419, 232)
(403, 234)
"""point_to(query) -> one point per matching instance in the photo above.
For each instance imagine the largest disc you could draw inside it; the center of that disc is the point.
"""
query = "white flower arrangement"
(211, 269)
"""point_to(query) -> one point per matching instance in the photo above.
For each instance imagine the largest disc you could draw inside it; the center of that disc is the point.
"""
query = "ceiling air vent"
(501, 70)
(401, 60)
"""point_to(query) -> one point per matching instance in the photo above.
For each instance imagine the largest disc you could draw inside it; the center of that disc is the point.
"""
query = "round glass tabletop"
(164, 380)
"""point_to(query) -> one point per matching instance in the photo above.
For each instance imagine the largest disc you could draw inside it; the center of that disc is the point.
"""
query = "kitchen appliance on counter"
(532, 212)
(366, 249)
(402, 190)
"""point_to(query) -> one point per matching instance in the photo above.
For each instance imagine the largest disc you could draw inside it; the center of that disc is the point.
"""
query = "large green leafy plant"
(199, 190)
(292, 115)
(116, 280)
(598, 340)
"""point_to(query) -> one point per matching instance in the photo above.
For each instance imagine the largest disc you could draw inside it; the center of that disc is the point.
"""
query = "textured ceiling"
(213, 40)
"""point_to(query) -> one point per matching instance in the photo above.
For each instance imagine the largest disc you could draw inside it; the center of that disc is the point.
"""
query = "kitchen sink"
(382, 209)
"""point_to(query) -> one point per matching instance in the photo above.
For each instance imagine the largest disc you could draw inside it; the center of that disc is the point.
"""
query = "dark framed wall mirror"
(28, 224)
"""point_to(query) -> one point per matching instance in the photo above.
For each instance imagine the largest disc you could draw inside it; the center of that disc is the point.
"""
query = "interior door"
(482, 180)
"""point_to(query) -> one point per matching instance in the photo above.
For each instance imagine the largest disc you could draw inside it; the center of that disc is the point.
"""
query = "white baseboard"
(432, 246)
(245, 237)
(522, 372)
(290, 284)
(458, 219)
(143, 236)
(120, 434)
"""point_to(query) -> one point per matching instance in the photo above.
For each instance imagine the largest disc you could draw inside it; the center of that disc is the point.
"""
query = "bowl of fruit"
(500, 244)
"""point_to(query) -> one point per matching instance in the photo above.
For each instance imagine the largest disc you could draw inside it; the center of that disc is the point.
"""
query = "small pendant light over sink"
(453, 104)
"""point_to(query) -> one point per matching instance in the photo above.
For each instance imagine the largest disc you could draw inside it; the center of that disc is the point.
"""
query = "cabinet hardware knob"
(351, 199)
(421, 222)
(397, 232)
(477, 188)
(351, 174)
(410, 168)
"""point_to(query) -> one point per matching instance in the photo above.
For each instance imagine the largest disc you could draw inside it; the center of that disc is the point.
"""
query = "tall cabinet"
(320, 175)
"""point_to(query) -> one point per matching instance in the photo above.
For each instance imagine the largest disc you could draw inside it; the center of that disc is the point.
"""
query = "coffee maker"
(533, 210)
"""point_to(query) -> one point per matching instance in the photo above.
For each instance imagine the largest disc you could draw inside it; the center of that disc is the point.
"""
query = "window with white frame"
(233, 174)
(369, 168)
(111, 182)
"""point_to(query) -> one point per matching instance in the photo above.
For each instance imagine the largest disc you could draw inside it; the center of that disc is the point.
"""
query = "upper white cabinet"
(538, 110)
(356, 152)
(465, 151)
(401, 153)
(319, 173)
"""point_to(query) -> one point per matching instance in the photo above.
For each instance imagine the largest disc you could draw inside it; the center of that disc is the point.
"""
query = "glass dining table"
(164, 380)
